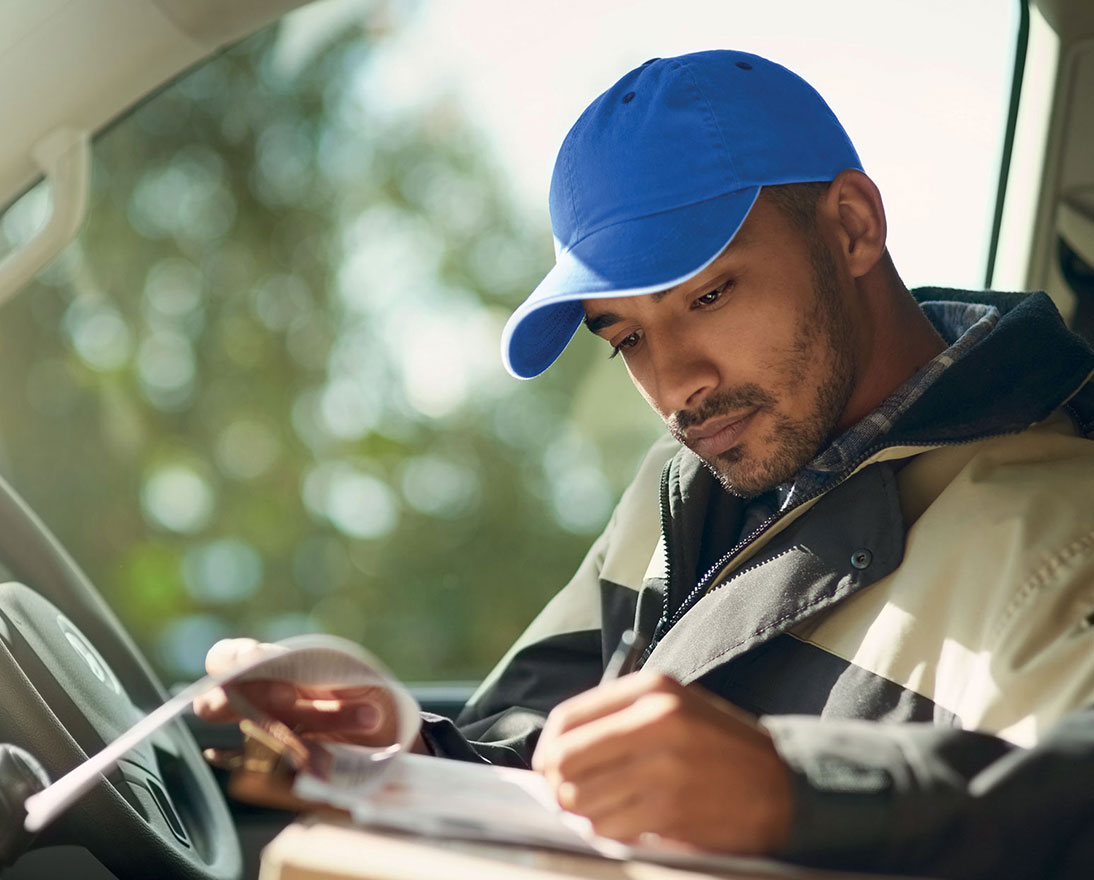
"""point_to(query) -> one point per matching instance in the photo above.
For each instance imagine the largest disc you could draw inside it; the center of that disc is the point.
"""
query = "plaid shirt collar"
(963, 326)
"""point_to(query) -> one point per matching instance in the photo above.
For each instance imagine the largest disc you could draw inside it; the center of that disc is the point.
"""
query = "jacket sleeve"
(1012, 793)
(919, 799)
(1014, 800)
(564, 649)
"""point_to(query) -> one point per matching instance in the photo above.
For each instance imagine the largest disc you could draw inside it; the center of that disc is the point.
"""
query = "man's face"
(750, 363)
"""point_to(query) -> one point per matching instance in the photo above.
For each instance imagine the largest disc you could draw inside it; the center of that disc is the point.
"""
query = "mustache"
(720, 403)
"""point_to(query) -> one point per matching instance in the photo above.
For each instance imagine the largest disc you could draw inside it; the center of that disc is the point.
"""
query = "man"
(864, 562)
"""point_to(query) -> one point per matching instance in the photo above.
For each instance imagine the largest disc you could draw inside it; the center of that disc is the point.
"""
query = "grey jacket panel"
(787, 676)
(799, 573)
(917, 799)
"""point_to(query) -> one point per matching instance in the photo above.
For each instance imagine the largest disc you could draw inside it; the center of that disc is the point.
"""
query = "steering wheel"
(71, 680)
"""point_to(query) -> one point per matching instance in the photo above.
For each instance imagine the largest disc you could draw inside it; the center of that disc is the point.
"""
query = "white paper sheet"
(316, 661)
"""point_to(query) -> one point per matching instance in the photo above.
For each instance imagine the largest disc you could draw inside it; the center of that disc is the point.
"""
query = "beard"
(792, 442)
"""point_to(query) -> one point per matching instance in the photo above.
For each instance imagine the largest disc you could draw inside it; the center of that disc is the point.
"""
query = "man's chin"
(738, 487)
(732, 470)
(744, 477)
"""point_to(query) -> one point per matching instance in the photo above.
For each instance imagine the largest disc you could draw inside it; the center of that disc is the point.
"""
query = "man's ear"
(852, 210)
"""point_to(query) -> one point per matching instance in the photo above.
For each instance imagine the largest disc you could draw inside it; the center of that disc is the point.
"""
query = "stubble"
(820, 355)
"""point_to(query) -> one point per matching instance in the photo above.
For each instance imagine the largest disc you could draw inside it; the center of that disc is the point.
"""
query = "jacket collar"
(1021, 372)
(801, 572)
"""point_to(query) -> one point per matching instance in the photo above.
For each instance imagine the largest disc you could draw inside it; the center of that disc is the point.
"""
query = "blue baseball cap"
(656, 177)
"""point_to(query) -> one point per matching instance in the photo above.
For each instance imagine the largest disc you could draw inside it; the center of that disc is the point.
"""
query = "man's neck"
(899, 342)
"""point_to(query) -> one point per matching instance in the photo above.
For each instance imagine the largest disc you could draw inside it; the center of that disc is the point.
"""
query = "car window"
(262, 394)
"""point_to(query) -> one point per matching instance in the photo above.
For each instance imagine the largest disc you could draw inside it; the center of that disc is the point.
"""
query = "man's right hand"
(360, 715)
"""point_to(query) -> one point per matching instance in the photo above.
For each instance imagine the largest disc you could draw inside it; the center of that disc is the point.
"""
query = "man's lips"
(714, 437)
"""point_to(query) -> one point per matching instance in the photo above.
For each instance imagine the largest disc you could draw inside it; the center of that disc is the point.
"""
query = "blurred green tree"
(261, 393)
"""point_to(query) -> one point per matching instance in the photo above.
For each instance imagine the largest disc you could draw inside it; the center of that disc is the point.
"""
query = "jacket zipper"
(663, 508)
(700, 589)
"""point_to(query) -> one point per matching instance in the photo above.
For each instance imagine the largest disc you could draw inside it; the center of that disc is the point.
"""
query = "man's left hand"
(644, 755)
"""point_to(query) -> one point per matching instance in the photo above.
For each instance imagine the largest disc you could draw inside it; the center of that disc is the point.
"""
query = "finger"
(224, 759)
(611, 697)
(221, 658)
(366, 707)
(602, 700)
(327, 716)
(645, 771)
(641, 805)
(214, 706)
(340, 692)
(651, 723)
(376, 695)
(589, 749)
(224, 655)
(599, 794)
(269, 697)
(622, 803)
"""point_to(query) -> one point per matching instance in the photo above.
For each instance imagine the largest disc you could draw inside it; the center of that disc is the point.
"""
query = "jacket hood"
(1030, 360)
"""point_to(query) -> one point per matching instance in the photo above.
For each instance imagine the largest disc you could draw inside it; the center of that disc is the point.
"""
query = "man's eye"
(708, 299)
(627, 342)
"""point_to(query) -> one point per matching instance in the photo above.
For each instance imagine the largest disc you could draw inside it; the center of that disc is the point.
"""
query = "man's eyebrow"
(601, 321)
(606, 319)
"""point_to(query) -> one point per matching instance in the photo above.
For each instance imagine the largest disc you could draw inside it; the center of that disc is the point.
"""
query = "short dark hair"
(798, 201)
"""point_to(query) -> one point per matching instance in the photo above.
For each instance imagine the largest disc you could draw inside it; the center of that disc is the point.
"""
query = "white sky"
(921, 87)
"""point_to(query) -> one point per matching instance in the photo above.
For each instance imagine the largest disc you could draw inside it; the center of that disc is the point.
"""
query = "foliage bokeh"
(260, 394)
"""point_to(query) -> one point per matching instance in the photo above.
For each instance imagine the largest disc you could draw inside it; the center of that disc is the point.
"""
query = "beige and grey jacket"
(918, 638)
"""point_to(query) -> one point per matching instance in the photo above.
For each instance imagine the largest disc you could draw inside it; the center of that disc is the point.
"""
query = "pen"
(625, 657)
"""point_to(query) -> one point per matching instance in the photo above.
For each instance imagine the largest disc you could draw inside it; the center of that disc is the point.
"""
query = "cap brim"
(626, 259)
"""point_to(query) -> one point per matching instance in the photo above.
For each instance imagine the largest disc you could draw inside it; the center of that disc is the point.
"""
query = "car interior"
(241, 222)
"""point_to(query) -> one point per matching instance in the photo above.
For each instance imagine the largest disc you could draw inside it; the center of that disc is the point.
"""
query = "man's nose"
(685, 376)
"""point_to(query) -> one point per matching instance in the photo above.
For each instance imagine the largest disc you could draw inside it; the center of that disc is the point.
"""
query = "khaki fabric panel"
(977, 618)
(639, 518)
(1044, 648)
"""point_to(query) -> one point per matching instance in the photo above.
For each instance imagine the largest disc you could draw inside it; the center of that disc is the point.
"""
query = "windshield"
(262, 393)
